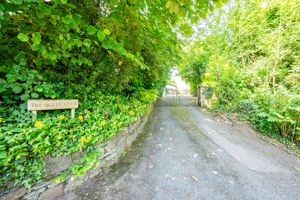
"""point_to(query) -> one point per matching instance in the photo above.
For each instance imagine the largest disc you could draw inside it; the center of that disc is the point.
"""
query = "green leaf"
(2, 81)
(106, 31)
(23, 37)
(53, 20)
(2, 7)
(68, 19)
(23, 106)
(106, 44)
(91, 30)
(11, 78)
(172, 6)
(34, 47)
(17, 2)
(34, 95)
(43, 51)
(36, 38)
(132, 2)
(186, 30)
(64, 1)
(87, 42)
(17, 89)
(78, 43)
(45, 10)
(100, 35)
(61, 36)
(25, 97)
(21, 58)
(296, 168)
(3, 154)
(52, 55)
(38, 88)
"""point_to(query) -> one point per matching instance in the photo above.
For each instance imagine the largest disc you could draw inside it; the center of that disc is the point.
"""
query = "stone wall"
(111, 152)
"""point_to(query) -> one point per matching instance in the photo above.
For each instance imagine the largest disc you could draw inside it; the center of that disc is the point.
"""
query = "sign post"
(37, 105)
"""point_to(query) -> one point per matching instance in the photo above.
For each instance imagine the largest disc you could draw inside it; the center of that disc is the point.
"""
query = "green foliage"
(147, 97)
(21, 84)
(87, 162)
(114, 56)
(24, 146)
(251, 57)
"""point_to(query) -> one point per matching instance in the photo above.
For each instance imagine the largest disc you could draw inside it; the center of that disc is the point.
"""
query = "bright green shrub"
(24, 146)
(21, 84)
(247, 107)
(147, 96)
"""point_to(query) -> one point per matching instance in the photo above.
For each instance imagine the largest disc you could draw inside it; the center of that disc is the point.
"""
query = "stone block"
(52, 184)
(55, 165)
(68, 196)
(110, 147)
(76, 157)
(32, 195)
(40, 185)
(120, 147)
(94, 172)
(73, 182)
(131, 138)
(15, 194)
(108, 160)
(52, 193)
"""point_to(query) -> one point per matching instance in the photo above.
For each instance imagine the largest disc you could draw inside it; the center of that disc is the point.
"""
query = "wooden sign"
(36, 105)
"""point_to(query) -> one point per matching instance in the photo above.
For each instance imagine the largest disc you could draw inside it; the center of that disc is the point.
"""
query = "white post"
(73, 112)
(34, 115)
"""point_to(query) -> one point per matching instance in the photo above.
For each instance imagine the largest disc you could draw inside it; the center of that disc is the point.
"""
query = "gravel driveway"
(188, 154)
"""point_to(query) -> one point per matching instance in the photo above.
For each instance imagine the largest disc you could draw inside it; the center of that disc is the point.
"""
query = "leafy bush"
(147, 96)
(21, 84)
(247, 107)
(24, 146)
(241, 67)
(208, 92)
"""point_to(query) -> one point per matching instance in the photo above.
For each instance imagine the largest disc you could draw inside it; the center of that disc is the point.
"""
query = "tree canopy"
(247, 53)
(112, 55)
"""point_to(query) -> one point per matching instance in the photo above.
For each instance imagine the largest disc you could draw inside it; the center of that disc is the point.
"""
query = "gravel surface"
(188, 154)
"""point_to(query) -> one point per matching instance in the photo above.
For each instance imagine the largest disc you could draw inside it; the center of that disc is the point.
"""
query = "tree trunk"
(277, 58)
(199, 96)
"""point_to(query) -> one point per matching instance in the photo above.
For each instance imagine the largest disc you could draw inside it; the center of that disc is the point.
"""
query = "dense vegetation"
(114, 56)
(246, 59)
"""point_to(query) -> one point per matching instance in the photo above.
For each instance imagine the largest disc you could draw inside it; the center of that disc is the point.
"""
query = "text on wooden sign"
(36, 105)
(52, 104)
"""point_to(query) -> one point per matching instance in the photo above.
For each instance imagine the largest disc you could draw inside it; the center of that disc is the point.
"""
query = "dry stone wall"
(48, 190)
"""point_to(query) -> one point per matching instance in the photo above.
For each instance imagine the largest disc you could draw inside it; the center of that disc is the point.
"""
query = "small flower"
(131, 113)
(58, 180)
(2, 120)
(103, 123)
(80, 118)
(120, 63)
(109, 52)
(38, 124)
(89, 138)
(82, 139)
(61, 117)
